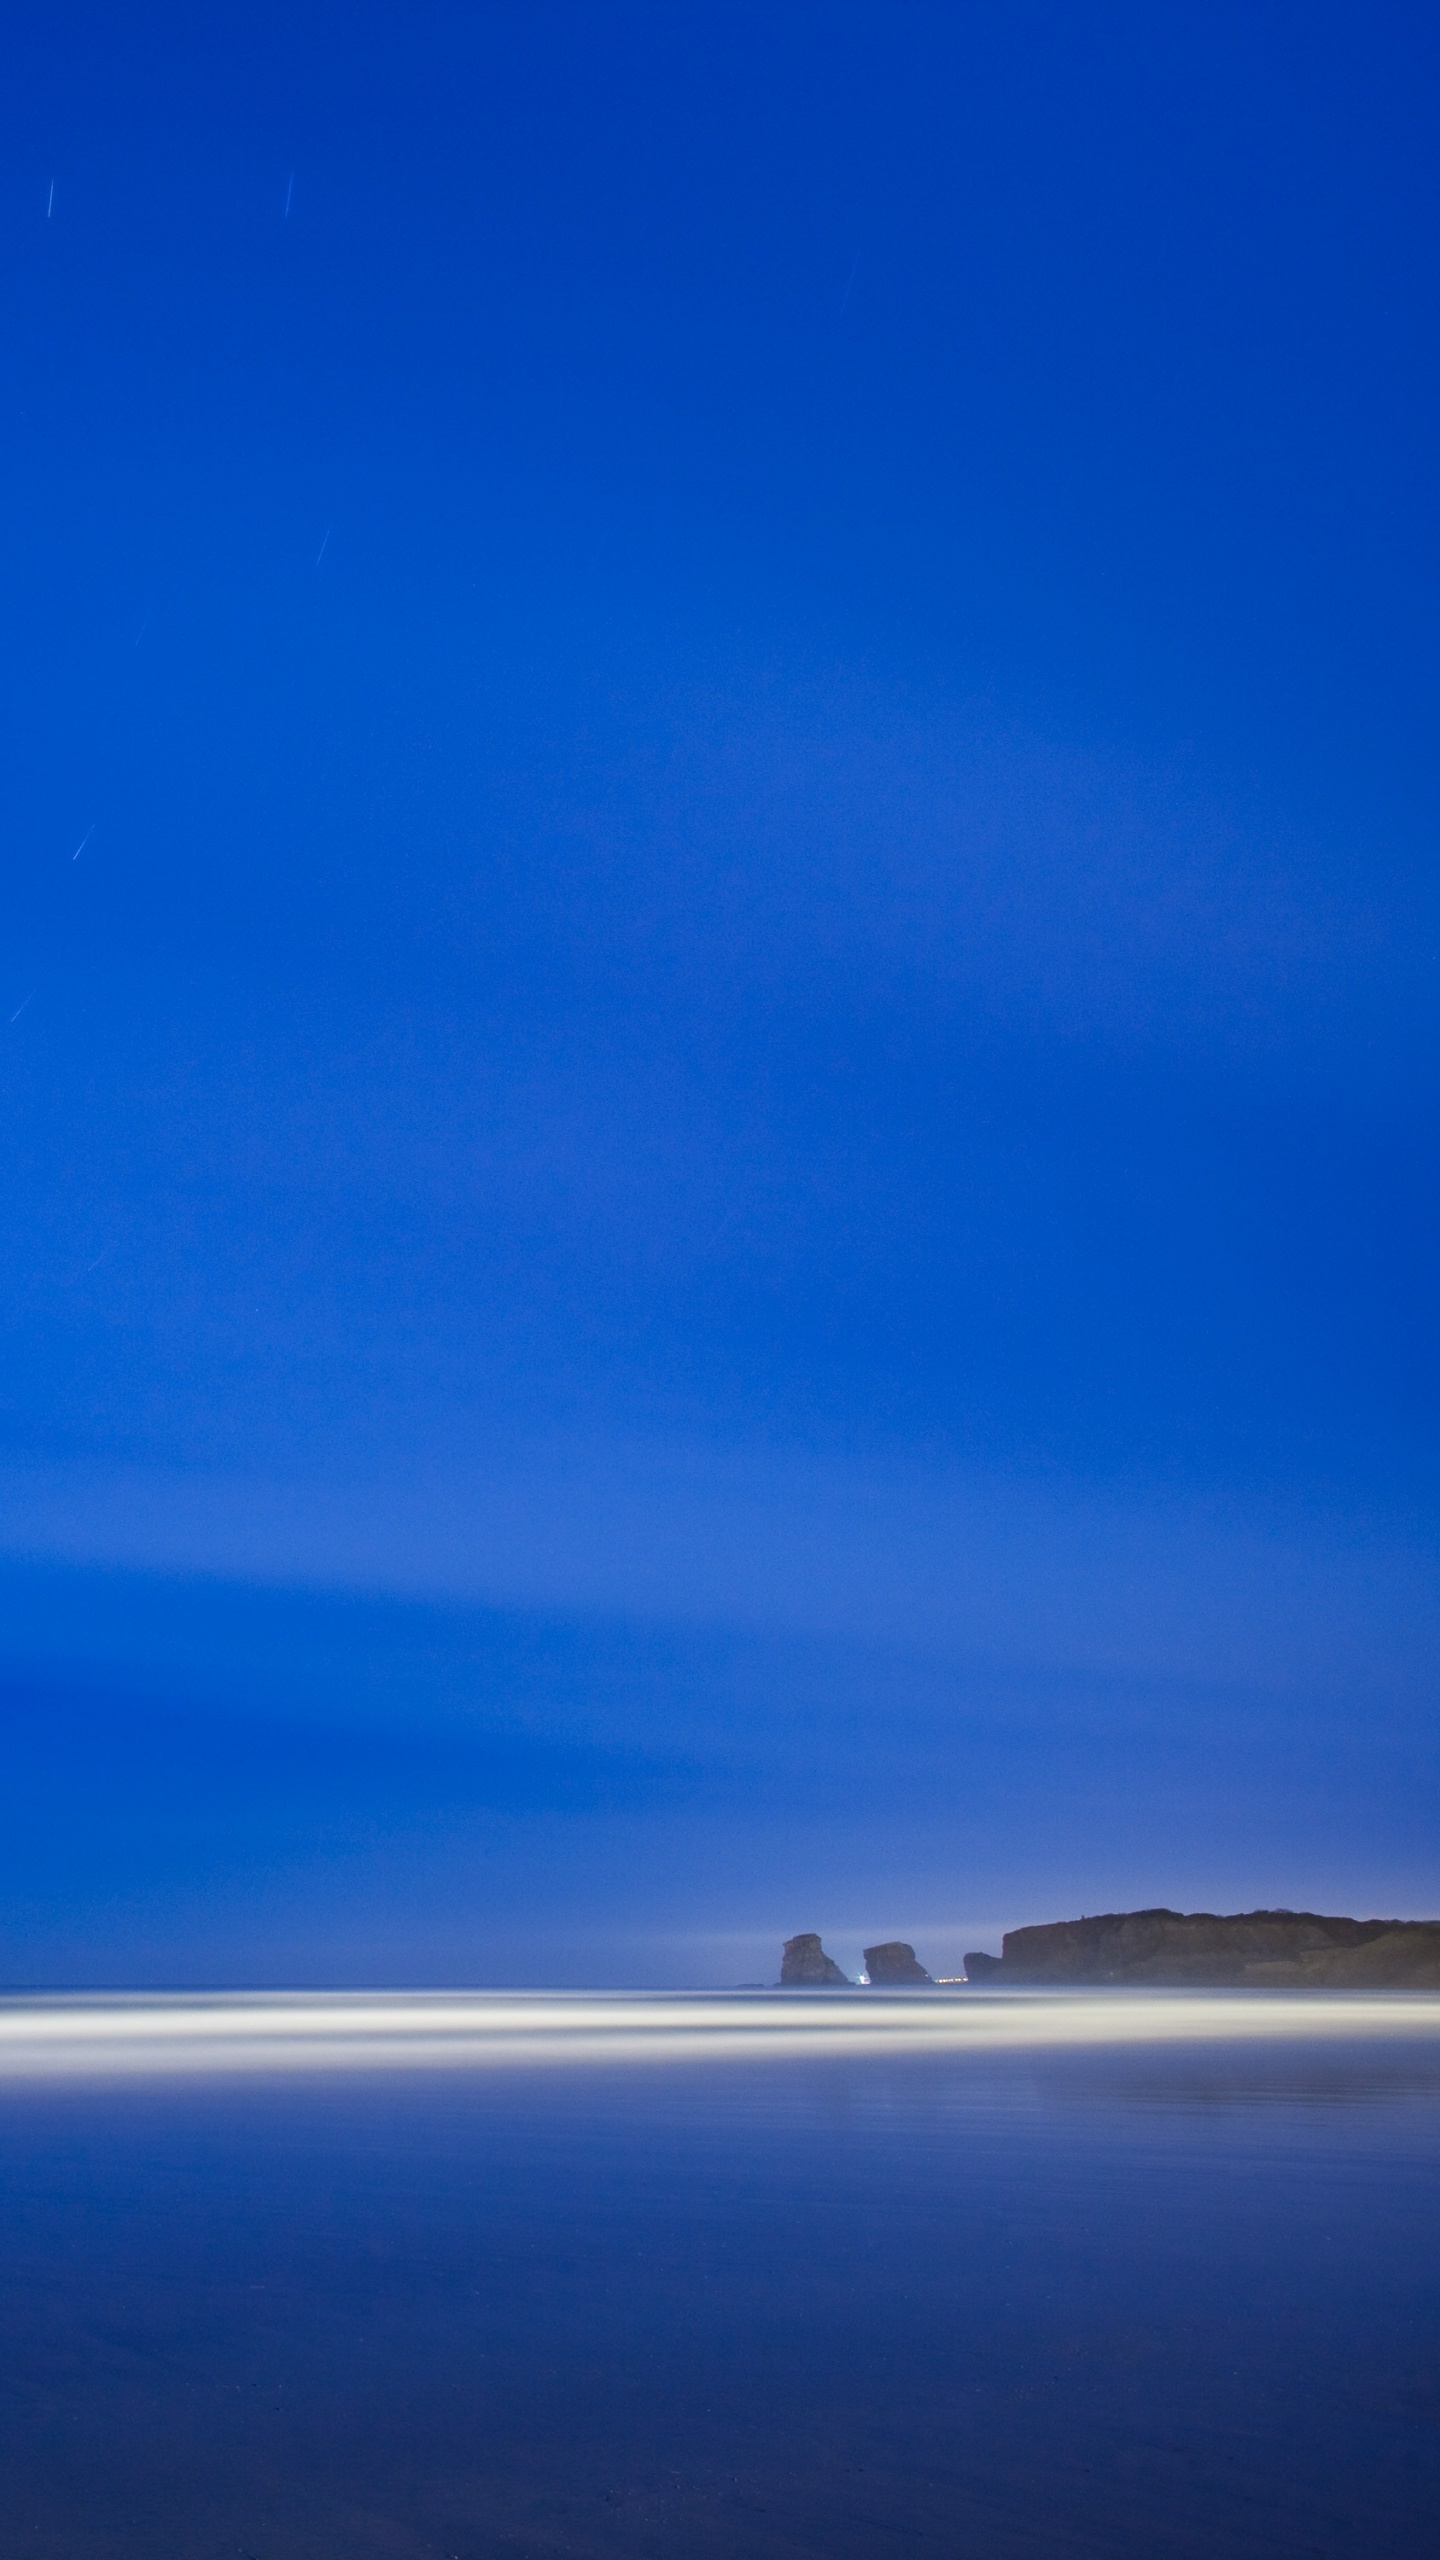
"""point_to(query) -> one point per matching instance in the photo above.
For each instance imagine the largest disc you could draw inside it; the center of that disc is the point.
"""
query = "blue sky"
(719, 952)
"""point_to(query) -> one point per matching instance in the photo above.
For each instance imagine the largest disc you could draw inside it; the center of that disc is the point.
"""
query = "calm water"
(1145, 2299)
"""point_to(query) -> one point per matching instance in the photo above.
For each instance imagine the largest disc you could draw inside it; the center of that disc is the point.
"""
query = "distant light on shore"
(135, 2037)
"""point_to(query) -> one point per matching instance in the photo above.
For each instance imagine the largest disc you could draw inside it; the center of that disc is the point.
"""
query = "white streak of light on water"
(139, 2035)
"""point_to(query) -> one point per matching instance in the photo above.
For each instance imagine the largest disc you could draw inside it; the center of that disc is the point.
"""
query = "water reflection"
(1006, 2279)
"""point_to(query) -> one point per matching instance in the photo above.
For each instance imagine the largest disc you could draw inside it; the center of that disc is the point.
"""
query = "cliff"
(1259, 1950)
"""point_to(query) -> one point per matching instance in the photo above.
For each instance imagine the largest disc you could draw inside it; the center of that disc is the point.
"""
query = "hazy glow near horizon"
(139, 2037)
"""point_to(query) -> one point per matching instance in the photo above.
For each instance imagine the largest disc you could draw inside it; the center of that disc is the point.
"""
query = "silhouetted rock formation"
(982, 1968)
(894, 1962)
(804, 1961)
(1260, 1950)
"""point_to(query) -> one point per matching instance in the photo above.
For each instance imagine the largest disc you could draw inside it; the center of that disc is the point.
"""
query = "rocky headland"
(1205, 1950)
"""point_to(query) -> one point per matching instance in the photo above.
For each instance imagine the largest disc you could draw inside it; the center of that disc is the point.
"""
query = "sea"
(465, 2277)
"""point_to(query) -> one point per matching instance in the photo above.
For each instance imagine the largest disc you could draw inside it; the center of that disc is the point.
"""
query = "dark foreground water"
(1141, 2301)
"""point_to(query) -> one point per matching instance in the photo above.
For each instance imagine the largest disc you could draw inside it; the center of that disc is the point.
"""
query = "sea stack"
(804, 1964)
(895, 1962)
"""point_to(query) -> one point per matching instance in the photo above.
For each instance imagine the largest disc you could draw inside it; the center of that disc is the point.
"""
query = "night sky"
(719, 967)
